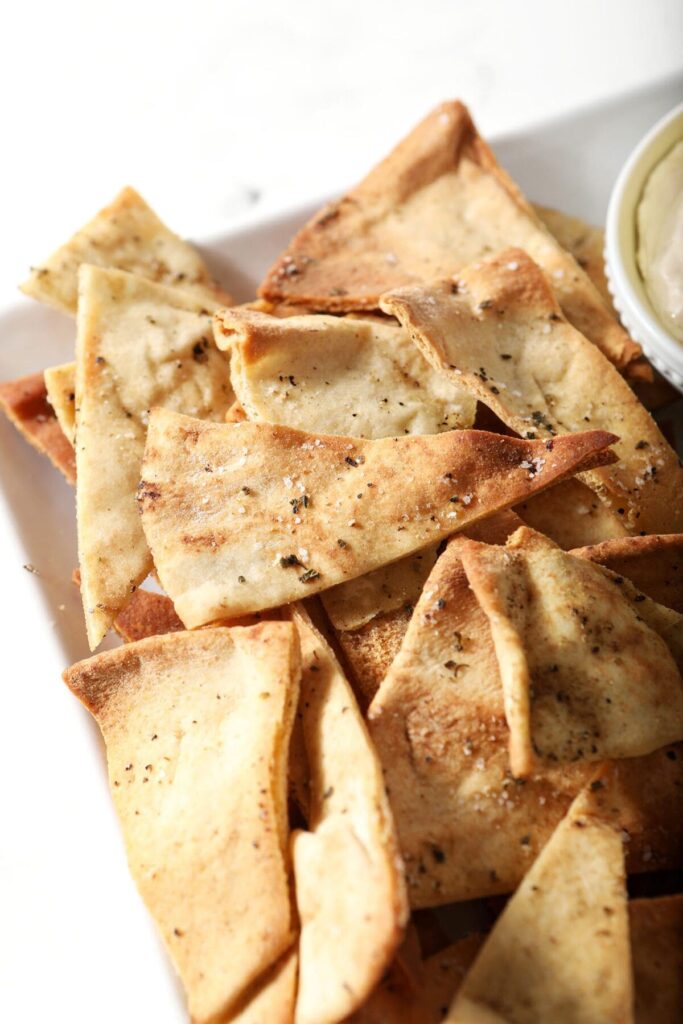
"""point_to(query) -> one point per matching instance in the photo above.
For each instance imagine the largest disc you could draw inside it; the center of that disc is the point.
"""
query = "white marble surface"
(211, 107)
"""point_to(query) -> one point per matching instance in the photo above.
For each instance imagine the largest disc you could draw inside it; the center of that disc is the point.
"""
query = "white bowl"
(623, 276)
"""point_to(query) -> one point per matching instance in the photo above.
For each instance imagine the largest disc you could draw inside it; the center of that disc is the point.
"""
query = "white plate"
(75, 936)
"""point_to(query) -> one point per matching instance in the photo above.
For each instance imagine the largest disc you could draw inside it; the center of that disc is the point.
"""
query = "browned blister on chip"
(24, 402)
(127, 235)
(560, 950)
(138, 345)
(499, 331)
(348, 875)
(197, 729)
(439, 201)
(584, 676)
(246, 516)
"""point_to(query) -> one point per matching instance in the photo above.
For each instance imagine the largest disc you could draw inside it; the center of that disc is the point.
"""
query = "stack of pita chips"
(420, 639)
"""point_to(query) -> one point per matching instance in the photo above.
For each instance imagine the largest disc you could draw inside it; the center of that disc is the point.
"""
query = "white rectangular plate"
(76, 938)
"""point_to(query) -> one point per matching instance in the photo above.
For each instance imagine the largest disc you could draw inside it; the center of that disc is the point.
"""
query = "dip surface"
(660, 240)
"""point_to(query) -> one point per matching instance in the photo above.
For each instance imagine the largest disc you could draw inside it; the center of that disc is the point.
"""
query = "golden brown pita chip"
(349, 882)
(272, 998)
(653, 564)
(585, 242)
(318, 509)
(127, 235)
(584, 677)
(139, 345)
(437, 203)
(197, 729)
(60, 384)
(349, 376)
(572, 515)
(560, 950)
(500, 332)
(147, 614)
(657, 953)
(24, 402)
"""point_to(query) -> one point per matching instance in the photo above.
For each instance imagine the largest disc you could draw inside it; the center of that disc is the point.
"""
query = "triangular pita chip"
(349, 376)
(572, 515)
(349, 882)
(584, 677)
(147, 614)
(60, 384)
(197, 728)
(499, 331)
(247, 516)
(653, 564)
(560, 949)
(585, 242)
(127, 235)
(437, 203)
(657, 953)
(139, 345)
(24, 402)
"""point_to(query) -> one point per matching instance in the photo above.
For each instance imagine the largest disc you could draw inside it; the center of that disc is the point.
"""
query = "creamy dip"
(660, 240)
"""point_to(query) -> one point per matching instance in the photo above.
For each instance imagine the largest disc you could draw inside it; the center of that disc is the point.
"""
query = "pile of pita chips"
(287, 452)
(437, 203)
(139, 345)
(197, 730)
(128, 235)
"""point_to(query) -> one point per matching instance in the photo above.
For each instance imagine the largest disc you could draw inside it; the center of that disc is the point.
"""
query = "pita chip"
(147, 614)
(572, 515)
(24, 402)
(319, 509)
(197, 728)
(126, 235)
(60, 384)
(500, 332)
(584, 676)
(657, 952)
(653, 564)
(585, 242)
(349, 376)
(437, 203)
(348, 875)
(138, 345)
(560, 950)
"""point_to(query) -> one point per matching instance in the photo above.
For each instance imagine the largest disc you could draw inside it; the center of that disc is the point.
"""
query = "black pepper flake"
(642, 444)
(241, 579)
(199, 353)
(671, 754)
(441, 604)
(438, 854)
(287, 560)
(525, 840)
(99, 360)
(486, 304)
(639, 597)
(309, 576)
(351, 462)
(341, 543)
(596, 785)
(328, 792)
(505, 355)
(454, 498)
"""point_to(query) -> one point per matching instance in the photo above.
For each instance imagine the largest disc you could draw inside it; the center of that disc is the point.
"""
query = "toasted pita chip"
(396, 1002)
(585, 242)
(653, 564)
(584, 677)
(358, 378)
(24, 402)
(197, 728)
(349, 883)
(127, 235)
(657, 951)
(271, 999)
(572, 515)
(437, 203)
(147, 614)
(60, 384)
(560, 949)
(139, 344)
(500, 332)
(319, 509)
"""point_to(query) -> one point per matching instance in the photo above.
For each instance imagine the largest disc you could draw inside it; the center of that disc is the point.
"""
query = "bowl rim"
(632, 304)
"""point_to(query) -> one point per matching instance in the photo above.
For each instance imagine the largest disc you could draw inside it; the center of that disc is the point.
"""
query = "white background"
(204, 105)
